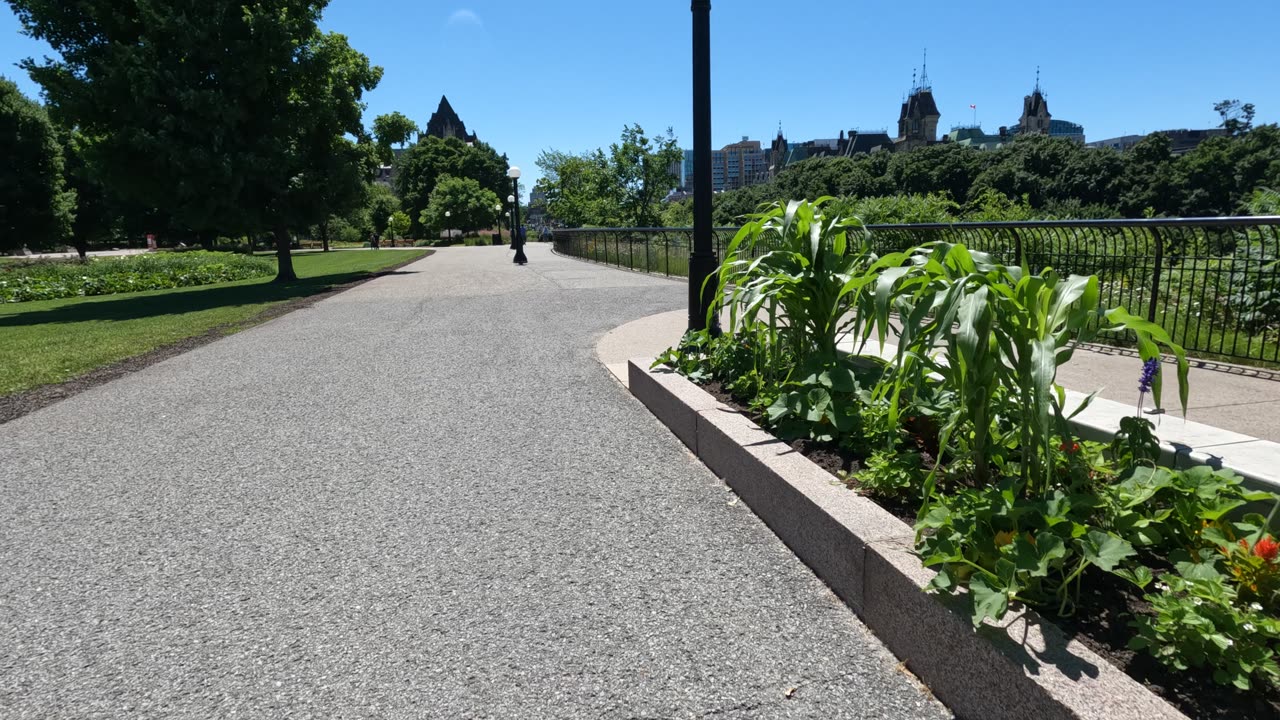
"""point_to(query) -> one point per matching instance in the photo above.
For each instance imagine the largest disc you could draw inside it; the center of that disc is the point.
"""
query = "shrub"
(24, 282)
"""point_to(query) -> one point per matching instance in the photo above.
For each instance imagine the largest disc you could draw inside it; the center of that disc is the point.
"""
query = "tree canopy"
(224, 116)
(36, 207)
(469, 205)
(423, 165)
(1053, 177)
(390, 130)
(623, 186)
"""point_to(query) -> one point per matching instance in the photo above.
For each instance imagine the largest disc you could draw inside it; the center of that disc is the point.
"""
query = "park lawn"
(54, 341)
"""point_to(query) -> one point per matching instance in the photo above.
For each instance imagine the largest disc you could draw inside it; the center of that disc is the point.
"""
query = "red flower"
(1070, 449)
(1267, 549)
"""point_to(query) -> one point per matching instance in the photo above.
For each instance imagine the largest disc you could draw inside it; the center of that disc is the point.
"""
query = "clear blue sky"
(568, 74)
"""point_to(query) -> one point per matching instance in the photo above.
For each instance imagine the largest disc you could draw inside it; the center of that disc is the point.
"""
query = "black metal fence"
(1212, 283)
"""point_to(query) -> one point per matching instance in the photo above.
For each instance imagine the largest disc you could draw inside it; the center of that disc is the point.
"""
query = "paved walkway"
(423, 497)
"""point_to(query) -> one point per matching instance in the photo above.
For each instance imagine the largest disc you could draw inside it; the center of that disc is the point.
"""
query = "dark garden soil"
(1101, 620)
(22, 403)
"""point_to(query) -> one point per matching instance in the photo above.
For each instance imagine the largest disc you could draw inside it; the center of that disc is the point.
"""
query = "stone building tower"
(1035, 112)
(445, 123)
(918, 121)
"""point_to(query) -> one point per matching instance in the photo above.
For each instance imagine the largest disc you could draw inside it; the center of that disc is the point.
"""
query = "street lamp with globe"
(447, 229)
(497, 212)
(517, 241)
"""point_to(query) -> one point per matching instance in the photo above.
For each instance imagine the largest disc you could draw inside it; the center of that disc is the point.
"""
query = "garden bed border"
(1023, 666)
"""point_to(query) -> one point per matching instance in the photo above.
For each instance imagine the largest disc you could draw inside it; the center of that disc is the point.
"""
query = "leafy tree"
(813, 178)
(580, 189)
(97, 217)
(35, 204)
(1091, 176)
(469, 205)
(732, 207)
(425, 163)
(394, 128)
(945, 167)
(343, 181)
(224, 116)
(1220, 174)
(381, 203)
(1148, 181)
(677, 214)
(1237, 119)
(312, 169)
(642, 172)
(398, 225)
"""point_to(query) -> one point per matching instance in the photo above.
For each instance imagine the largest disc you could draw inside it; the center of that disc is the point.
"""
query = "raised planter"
(1023, 667)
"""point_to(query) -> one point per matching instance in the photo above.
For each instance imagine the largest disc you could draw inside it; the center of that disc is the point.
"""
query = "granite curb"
(1022, 667)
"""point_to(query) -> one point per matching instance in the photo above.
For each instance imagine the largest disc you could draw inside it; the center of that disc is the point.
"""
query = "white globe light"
(514, 173)
(511, 198)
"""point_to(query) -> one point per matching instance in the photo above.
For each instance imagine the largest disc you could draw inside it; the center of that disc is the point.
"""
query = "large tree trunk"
(285, 272)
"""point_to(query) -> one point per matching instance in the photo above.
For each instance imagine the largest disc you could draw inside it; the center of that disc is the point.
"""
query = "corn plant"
(995, 336)
(801, 275)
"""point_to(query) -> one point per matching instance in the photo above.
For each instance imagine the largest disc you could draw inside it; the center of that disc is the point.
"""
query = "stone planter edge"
(1022, 667)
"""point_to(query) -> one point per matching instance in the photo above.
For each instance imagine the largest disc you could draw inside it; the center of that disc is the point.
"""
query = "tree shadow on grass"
(135, 306)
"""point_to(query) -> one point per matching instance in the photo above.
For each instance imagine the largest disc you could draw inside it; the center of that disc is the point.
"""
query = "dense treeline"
(200, 122)
(1035, 176)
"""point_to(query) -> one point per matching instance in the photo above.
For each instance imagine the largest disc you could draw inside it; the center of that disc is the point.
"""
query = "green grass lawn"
(56, 340)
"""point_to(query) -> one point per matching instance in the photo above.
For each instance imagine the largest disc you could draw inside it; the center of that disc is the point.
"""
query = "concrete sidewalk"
(422, 497)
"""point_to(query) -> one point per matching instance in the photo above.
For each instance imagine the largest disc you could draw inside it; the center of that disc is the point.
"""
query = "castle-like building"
(445, 123)
(747, 163)
(918, 121)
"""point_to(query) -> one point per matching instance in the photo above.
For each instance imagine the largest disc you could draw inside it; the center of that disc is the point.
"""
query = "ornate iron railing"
(1213, 283)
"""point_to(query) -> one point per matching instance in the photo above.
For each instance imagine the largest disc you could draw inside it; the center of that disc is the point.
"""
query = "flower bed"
(22, 282)
(965, 433)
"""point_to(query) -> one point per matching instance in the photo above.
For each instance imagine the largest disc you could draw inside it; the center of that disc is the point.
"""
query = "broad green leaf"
(1197, 571)
(1139, 576)
(1036, 557)
(1104, 549)
(988, 601)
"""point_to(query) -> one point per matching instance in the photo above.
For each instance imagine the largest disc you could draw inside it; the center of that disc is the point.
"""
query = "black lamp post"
(702, 261)
(497, 212)
(511, 227)
(516, 240)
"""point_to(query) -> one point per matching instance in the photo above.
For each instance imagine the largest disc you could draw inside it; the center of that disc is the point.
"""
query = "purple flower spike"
(1150, 369)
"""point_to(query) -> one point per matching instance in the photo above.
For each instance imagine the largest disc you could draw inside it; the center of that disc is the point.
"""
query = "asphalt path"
(423, 497)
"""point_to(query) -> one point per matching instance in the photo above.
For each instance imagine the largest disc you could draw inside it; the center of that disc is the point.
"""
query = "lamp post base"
(703, 266)
(520, 257)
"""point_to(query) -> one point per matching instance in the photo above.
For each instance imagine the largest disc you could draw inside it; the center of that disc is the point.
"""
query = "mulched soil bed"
(1101, 619)
(22, 403)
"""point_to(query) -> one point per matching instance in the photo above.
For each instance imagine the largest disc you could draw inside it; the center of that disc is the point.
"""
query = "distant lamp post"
(517, 241)
(497, 212)
(448, 230)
